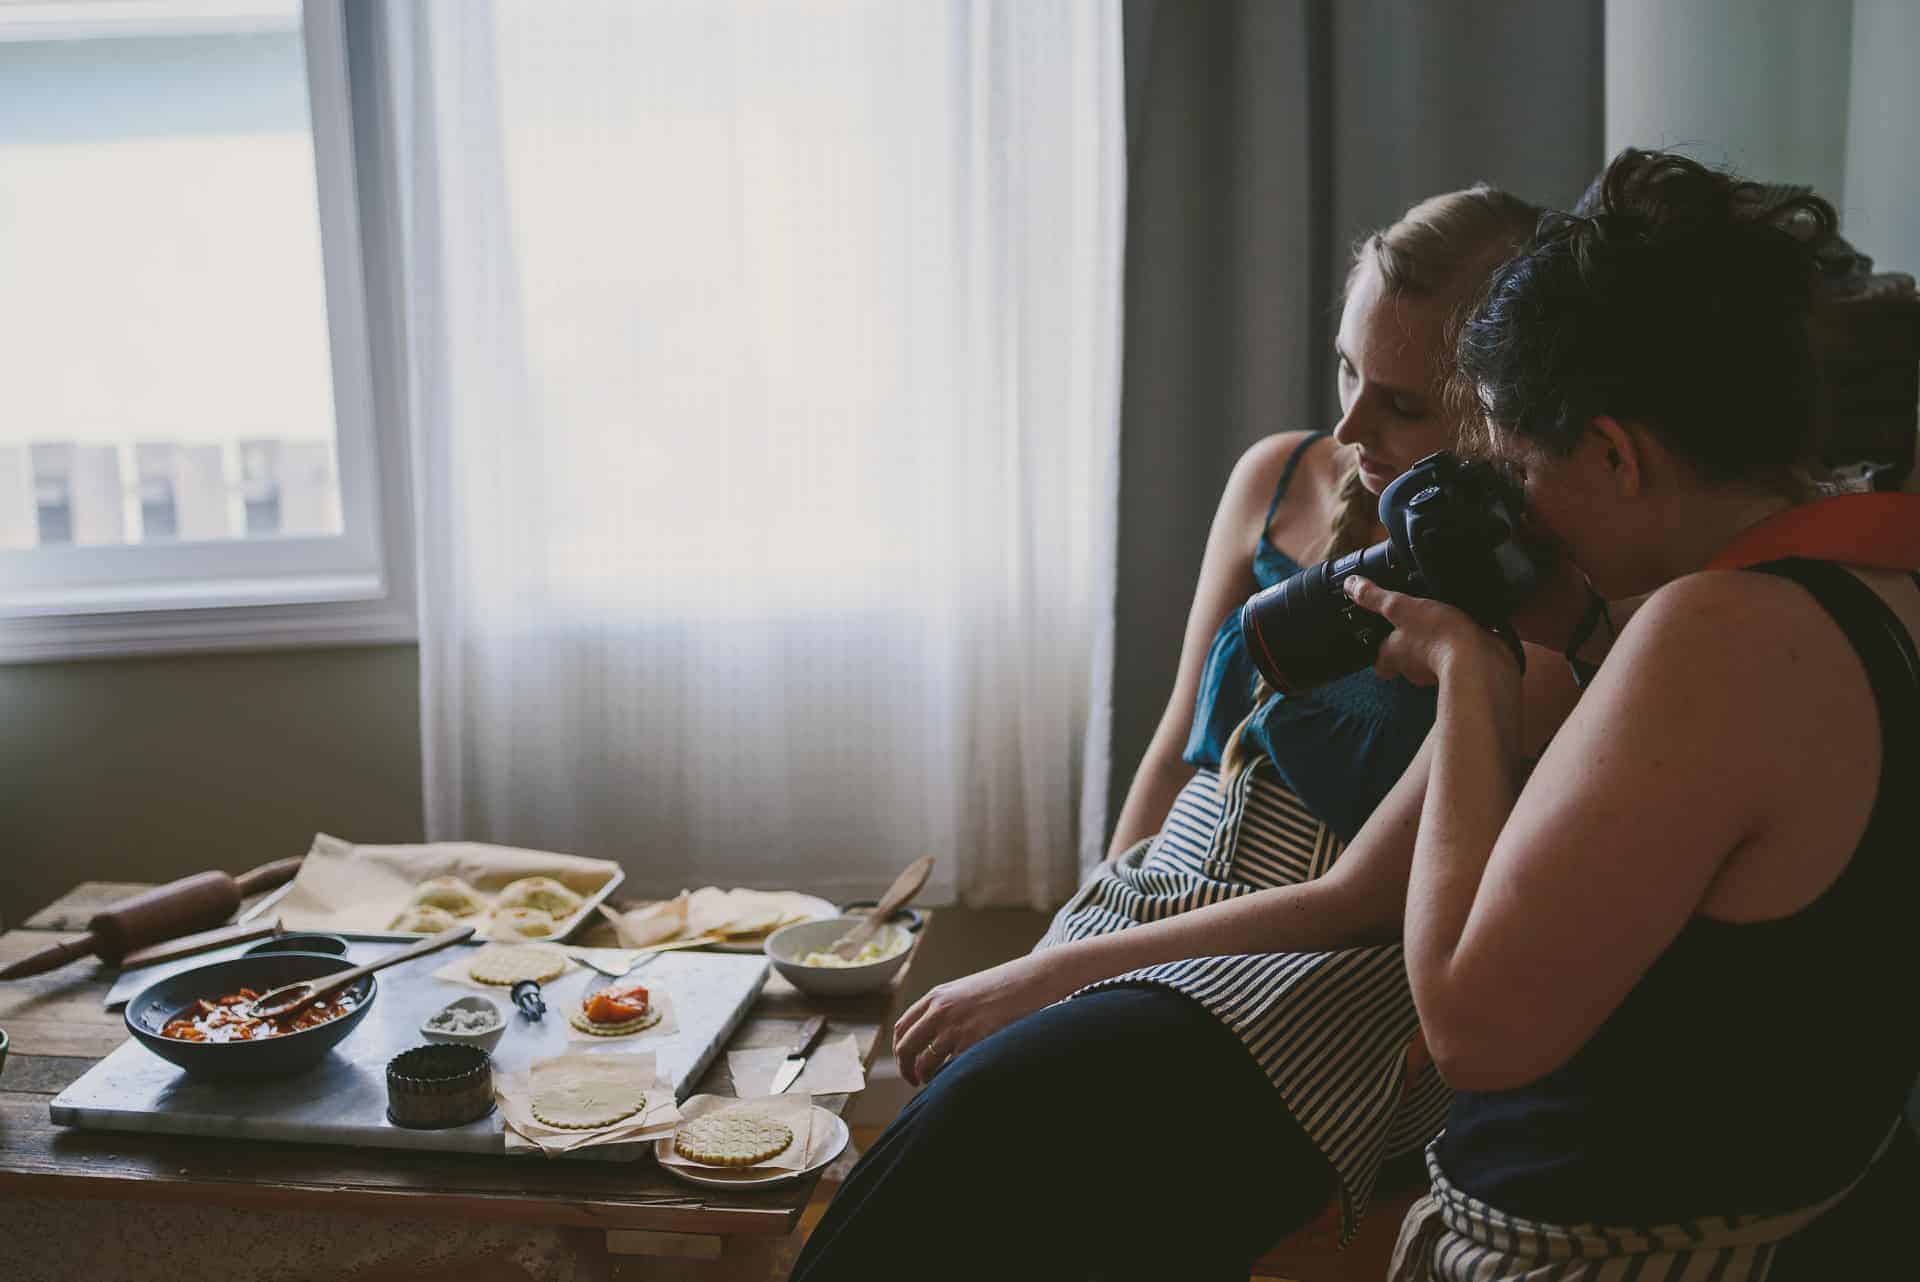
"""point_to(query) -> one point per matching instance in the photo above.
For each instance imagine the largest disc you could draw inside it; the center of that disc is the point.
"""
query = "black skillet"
(159, 1002)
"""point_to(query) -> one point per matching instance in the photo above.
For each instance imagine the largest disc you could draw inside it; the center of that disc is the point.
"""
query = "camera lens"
(1303, 630)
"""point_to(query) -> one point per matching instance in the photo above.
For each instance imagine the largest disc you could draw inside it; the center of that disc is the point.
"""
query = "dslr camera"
(1453, 535)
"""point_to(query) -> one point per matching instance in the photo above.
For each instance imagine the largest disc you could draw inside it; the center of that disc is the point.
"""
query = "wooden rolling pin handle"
(195, 903)
(268, 876)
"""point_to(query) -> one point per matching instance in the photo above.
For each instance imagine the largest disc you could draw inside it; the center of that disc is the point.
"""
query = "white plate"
(817, 910)
(830, 1136)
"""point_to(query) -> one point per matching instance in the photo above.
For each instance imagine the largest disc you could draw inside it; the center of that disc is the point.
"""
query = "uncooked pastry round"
(577, 1094)
(737, 1136)
(507, 964)
(521, 923)
(577, 1016)
(425, 919)
(543, 893)
(451, 894)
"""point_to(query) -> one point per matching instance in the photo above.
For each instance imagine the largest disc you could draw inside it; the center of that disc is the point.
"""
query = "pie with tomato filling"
(615, 1011)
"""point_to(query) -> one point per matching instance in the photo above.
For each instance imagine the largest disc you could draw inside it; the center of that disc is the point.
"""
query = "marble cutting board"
(343, 1099)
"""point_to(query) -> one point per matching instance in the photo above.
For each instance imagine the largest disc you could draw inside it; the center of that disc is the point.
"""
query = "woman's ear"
(1625, 461)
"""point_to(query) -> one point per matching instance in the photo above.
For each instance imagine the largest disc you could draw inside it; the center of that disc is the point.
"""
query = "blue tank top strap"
(1286, 475)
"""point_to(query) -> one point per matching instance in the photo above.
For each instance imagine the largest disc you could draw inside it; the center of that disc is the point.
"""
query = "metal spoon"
(289, 999)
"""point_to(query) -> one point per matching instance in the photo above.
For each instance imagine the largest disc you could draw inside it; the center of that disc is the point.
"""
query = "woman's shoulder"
(1727, 636)
(1294, 458)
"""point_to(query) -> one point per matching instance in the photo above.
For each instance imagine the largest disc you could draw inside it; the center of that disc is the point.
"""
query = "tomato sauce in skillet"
(231, 1018)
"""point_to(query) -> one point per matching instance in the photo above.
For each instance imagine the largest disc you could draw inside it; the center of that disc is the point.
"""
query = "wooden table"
(243, 1209)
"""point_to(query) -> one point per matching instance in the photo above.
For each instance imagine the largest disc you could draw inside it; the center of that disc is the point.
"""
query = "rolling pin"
(199, 902)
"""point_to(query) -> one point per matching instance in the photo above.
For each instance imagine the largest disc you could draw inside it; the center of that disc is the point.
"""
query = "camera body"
(1453, 535)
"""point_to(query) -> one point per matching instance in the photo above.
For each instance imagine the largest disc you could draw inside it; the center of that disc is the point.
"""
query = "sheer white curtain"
(763, 362)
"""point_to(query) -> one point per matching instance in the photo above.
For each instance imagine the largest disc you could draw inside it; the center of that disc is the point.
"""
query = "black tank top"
(1755, 1067)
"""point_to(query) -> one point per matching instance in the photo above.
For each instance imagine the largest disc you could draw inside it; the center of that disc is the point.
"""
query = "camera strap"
(1584, 669)
(1877, 530)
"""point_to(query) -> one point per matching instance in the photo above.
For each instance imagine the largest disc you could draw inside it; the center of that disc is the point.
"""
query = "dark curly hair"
(1680, 302)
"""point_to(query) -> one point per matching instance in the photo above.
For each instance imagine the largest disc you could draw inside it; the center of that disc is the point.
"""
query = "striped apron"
(1450, 1236)
(1330, 1029)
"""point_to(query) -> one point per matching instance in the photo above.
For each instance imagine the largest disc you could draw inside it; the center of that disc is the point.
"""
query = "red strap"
(1878, 530)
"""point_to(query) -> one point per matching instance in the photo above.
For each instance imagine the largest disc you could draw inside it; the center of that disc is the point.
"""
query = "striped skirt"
(1330, 1029)
(1450, 1236)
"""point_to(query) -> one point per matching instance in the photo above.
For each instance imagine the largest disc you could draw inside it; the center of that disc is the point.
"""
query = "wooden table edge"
(445, 1204)
(697, 1216)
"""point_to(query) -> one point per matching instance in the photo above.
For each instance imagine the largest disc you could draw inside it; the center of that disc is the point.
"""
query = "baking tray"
(564, 928)
(342, 1100)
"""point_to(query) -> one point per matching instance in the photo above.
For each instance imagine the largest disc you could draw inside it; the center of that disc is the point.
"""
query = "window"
(188, 454)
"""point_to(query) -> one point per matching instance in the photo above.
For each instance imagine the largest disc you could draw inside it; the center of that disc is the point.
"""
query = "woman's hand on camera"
(1428, 636)
(955, 1015)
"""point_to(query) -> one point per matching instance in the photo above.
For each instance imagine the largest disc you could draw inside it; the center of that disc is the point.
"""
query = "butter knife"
(789, 1070)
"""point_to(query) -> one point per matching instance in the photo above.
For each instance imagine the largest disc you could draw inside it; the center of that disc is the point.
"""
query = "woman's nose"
(1355, 426)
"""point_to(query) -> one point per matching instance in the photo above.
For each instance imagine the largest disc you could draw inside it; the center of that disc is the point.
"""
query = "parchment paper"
(344, 887)
(833, 1068)
(657, 998)
(795, 1110)
(525, 1132)
(456, 972)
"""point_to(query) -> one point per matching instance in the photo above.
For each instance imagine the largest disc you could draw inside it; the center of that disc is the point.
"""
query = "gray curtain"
(1264, 137)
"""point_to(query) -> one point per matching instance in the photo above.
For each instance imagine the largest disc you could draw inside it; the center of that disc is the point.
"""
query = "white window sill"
(216, 615)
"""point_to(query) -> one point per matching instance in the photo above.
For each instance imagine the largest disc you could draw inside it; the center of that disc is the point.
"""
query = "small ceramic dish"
(786, 946)
(484, 1039)
(306, 941)
(430, 1087)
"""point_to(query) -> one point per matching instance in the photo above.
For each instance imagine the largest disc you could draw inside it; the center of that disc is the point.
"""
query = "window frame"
(356, 588)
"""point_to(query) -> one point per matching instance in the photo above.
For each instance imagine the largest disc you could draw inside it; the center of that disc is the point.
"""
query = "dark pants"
(1124, 1134)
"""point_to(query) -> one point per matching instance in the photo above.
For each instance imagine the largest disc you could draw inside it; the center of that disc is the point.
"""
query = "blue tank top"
(1755, 1066)
(1340, 746)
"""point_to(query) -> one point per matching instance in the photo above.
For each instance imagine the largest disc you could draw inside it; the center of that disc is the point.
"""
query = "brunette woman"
(1667, 970)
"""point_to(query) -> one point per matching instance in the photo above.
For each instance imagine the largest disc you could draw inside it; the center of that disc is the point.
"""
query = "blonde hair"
(1444, 248)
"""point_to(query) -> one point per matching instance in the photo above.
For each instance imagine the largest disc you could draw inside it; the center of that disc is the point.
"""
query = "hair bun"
(1673, 295)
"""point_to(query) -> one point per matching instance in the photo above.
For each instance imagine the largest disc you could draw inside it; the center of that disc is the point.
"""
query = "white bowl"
(485, 1041)
(786, 946)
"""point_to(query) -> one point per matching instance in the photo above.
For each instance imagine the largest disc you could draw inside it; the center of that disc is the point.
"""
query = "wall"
(148, 769)
(1263, 137)
(1756, 85)
(1880, 205)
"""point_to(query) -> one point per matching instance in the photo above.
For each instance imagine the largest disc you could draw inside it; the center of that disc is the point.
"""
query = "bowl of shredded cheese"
(802, 953)
(467, 1021)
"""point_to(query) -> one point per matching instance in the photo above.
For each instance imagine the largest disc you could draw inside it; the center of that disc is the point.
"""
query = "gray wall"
(148, 769)
(1880, 207)
(1264, 136)
(1758, 86)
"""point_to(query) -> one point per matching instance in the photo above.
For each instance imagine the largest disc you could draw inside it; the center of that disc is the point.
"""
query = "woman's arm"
(1533, 910)
(1358, 901)
(1226, 580)
(1361, 900)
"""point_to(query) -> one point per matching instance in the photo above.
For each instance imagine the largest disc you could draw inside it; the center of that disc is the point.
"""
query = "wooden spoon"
(903, 889)
(289, 999)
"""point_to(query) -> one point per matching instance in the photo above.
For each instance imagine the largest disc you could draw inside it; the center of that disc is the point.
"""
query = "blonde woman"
(1219, 1066)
